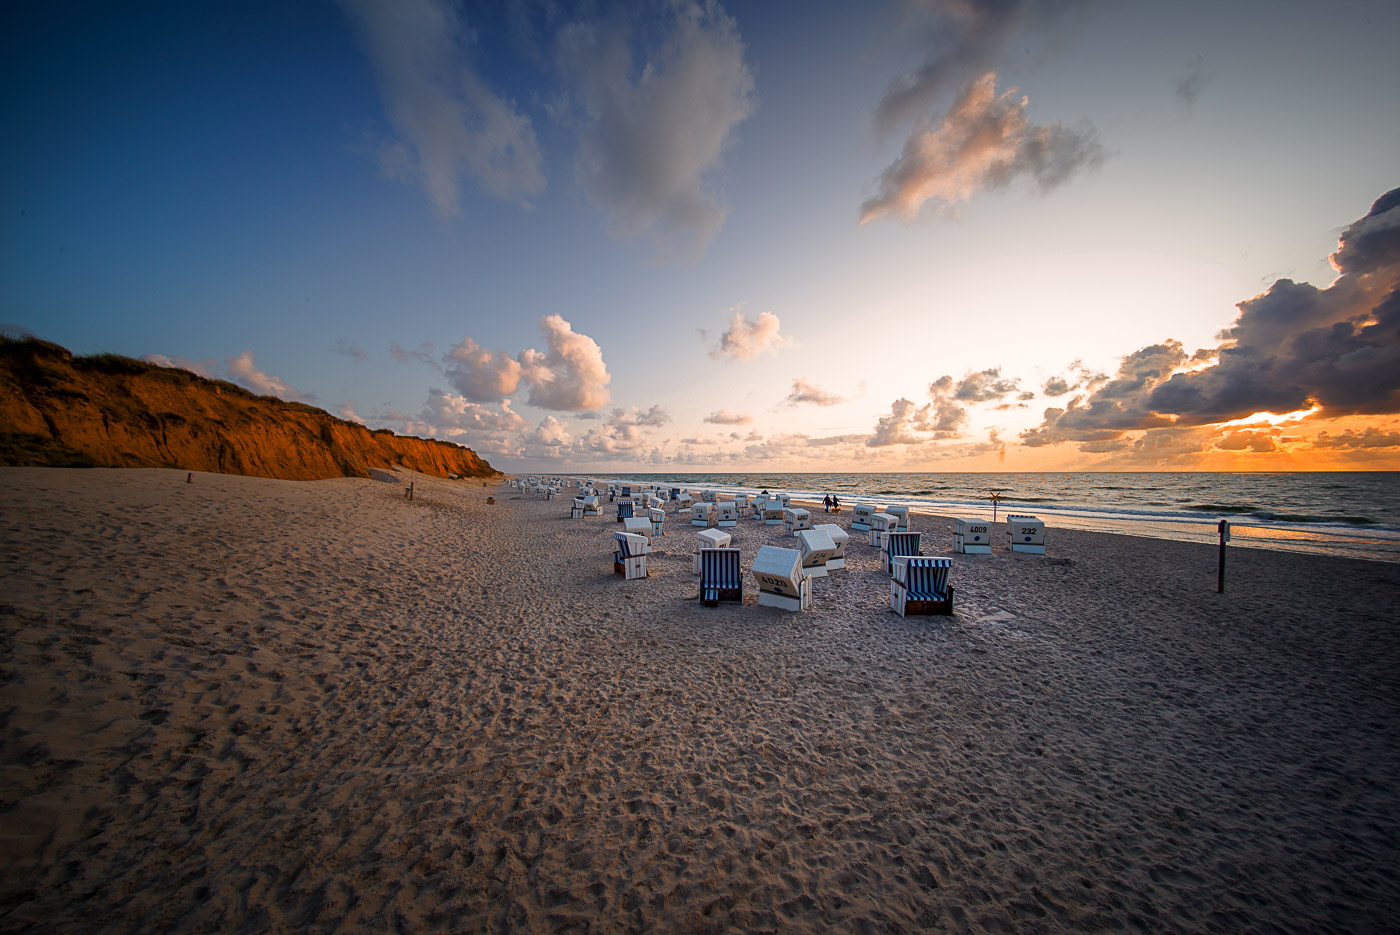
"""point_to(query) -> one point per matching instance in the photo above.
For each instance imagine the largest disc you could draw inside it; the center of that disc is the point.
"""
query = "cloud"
(1372, 437)
(985, 385)
(423, 354)
(449, 124)
(963, 39)
(1189, 86)
(805, 392)
(1242, 440)
(984, 141)
(1294, 347)
(347, 412)
(896, 428)
(242, 369)
(353, 351)
(728, 417)
(650, 144)
(570, 375)
(655, 417)
(745, 339)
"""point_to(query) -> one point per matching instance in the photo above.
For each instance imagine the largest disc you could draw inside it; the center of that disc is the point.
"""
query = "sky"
(971, 235)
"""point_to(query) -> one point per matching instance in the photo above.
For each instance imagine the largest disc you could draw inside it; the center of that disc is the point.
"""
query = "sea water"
(1353, 514)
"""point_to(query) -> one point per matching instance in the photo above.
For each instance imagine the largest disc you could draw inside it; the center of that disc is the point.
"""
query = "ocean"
(1355, 514)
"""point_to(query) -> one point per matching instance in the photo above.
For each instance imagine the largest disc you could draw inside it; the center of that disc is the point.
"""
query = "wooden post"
(189, 478)
(408, 492)
(1224, 529)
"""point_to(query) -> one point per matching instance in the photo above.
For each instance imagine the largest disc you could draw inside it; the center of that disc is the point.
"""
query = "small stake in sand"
(189, 479)
(408, 491)
(1224, 538)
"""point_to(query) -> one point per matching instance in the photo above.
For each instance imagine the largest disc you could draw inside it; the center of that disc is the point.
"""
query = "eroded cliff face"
(109, 411)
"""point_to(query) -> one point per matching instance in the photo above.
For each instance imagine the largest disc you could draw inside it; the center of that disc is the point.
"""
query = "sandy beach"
(254, 705)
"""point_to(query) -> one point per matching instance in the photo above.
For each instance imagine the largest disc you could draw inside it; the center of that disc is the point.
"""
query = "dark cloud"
(1189, 86)
(981, 386)
(1294, 347)
(352, 351)
(1370, 438)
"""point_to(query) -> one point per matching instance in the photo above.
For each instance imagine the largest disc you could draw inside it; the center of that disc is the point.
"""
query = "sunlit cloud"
(728, 417)
(652, 134)
(745, 339)
(242, 369)
(570, 375)
(1372, 437)
(449, 125)
(803, 391)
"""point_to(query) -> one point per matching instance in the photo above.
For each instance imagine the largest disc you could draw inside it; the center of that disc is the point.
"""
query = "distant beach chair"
(772, 513)
(624, 510)
(919, 586)
(682, 502)
(709, 496)
(630, 556)
(881, 525)
(658, 520)
(721, 577)
(741, 502)
(903, 513)
(576, 509)
(638, 526)
(701, 514)
(655, 503)
(728, 514)
(708, 539)
(898, 545)
(592, 505)
(795, 519)
(839, 538)
(860, 516)
(784, 498)
(972, 537)
(781, 582)
(1025, 534)
(817, 549)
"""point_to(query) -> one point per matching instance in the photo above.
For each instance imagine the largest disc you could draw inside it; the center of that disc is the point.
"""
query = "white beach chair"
(592, 505)
(728, 514)
(881, 525)
(576, 508)
(838, 540)
(772, 514)
(860, 516)
(682, 503)
(795, 519)
(919, 586)
(898, 545)
(721, 577)
(784, 498)
(972, 536)
(638, 526)
(817, 549)
(781, 582)
(655, 503)
(741, 503)
(630, 556)
(658, 520)
(708, 539)
(1025, 534)
(903, 513)
(701, 514)
(709, 496)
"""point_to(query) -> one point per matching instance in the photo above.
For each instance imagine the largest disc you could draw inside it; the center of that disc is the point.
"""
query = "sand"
(251, 705)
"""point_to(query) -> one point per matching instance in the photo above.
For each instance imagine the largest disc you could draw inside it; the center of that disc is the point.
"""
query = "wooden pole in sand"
(1224, 529)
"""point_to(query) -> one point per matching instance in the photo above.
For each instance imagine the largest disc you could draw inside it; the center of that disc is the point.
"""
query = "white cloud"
(649, 146)
(745, 339)
(804, 391)
(569, 375)
(482, 375)
(242, 369)
(449, 124)
(985, 140)
(728, 417)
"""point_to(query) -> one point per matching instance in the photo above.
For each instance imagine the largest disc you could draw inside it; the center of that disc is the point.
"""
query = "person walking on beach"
(836, 504)
(826, 503)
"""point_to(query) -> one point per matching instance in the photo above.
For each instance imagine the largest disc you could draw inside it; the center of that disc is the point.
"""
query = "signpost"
(1224, 529)
(996, 498)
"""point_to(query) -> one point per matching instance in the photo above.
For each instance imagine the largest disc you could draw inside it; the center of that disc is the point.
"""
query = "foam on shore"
(252, 704)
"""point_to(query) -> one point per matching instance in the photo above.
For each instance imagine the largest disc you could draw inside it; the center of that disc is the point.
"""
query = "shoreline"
(300, 705)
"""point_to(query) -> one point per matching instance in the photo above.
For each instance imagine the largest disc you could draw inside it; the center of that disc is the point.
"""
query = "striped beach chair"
(630, 556)
(920, 587)
(721, 578)
(898, 545)
(624, 510)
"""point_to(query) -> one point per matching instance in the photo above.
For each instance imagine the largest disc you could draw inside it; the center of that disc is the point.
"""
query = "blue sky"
(791, 236)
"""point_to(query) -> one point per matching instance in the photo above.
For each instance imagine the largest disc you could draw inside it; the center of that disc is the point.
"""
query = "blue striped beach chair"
(898, 545)
(630, 556)
(721, 578)
(919, 586)
(624, 510)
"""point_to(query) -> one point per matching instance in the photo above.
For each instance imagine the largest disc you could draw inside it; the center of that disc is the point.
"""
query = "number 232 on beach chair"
(919, 586)
(721, 578)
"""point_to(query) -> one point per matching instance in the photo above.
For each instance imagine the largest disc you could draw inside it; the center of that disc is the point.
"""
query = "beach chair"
(784, 498)
(658, 519)
(721, 577)
(838, 540)
(756, 506)
(919, 586)
(624, 510)
(772, 513)
(592, 505)
(860, 516)
(903, 513)
(741, 502)
(972, 537)
(655, 503)
(728, 513)
(817, 548)
(1025, 534)
(881, 525)
(701, 514)
(576, 509)
(682, 503)
(898, 545)
(795, 519)
(709, 496)
(630, 556)
(781, 582)
(708, 539)
(638, 526)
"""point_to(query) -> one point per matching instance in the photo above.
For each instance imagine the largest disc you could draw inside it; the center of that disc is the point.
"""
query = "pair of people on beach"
(831, 504)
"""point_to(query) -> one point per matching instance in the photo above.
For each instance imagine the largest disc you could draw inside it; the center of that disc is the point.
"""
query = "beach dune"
(242, 704)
